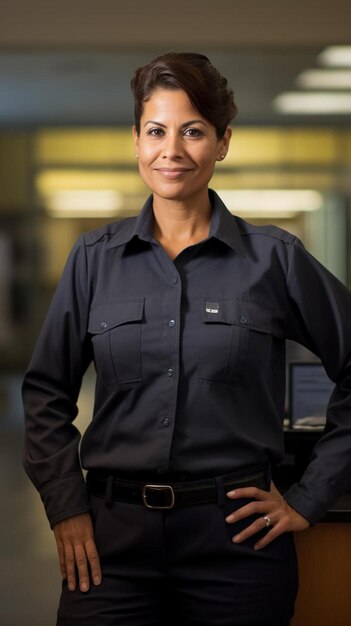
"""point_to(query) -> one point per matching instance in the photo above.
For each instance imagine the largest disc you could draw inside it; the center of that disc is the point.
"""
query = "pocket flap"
(255, 316)
(107, 315)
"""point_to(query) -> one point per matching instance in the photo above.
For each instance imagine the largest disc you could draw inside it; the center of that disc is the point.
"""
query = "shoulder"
(252, 234)
(117, 232)
(92, 247)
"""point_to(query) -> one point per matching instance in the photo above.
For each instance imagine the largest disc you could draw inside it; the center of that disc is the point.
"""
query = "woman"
(184, 311)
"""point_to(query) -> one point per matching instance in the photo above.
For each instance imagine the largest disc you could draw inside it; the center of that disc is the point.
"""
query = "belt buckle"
(168, 488)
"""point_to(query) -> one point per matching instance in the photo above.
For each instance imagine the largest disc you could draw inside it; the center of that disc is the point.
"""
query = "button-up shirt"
(190, 360)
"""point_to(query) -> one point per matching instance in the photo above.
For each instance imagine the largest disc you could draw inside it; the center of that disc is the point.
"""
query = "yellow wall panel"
(348, 147)
(256, 145)
(52, 180)
(98, 146)
(14, 170)
(311, 146)
(58, 237)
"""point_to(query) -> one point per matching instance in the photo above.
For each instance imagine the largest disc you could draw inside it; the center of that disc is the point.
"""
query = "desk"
(324, 551)
(324, 554)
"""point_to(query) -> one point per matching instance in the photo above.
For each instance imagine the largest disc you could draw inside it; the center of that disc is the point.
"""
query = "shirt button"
(170, 372)
(166, 422)
(160, 471)
(243, 319)
(103, 325)
(171, 323)
(175, 280)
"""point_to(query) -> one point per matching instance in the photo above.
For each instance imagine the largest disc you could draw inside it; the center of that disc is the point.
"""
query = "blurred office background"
(67, 165)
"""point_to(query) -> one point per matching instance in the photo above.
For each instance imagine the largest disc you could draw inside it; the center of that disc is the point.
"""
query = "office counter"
(298, 448)
(324, 551)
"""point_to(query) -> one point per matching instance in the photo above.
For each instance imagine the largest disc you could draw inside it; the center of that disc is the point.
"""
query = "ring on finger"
(267, 521)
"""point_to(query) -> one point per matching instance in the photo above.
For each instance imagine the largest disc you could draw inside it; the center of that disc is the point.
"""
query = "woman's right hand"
(77, 551)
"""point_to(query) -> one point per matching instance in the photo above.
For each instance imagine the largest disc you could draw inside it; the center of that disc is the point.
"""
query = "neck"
(182, 221)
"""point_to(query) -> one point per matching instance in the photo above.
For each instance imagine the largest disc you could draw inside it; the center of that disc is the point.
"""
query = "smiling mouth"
(172, 172)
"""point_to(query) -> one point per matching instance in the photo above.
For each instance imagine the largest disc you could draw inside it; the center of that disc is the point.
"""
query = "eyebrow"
(182, 126)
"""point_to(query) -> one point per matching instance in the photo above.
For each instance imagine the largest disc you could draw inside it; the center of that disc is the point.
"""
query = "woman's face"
(177, 148)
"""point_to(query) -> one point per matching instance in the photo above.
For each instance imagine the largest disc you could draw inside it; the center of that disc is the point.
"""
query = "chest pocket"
(115, 329)
(235, 339)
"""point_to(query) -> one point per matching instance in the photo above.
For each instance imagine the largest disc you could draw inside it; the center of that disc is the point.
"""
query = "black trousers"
(180, 567)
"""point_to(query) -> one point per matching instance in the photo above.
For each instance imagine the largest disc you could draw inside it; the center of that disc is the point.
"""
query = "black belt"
(168, 496)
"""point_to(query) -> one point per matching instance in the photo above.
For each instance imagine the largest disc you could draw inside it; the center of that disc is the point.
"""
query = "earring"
(221, 157)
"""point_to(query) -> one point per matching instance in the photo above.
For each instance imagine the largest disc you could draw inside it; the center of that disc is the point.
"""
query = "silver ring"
(267, 521)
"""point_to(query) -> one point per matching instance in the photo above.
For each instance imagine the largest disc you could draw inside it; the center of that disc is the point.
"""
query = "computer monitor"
(310, 389)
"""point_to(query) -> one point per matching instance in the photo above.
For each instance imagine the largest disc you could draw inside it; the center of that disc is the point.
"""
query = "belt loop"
(108, 492)
(220, 491)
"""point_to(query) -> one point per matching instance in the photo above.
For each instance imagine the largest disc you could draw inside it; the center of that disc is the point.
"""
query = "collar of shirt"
(223, 227)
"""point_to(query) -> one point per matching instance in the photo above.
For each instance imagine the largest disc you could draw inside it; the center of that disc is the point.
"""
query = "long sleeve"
(50, 391)
(321, 320)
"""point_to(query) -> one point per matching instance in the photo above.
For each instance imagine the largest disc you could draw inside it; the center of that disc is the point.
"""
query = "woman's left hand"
(275, 514)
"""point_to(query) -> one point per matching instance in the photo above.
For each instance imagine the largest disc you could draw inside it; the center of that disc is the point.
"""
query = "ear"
(223, 144)
(136, 141)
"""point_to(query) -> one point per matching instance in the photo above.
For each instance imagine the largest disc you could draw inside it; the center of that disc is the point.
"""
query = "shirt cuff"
(309, 505)
(65, 498)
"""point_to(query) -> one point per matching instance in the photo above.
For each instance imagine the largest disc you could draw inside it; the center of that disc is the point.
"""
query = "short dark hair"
(206, 89)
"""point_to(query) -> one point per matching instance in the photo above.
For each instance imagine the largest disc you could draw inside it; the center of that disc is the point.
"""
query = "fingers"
(276, 530)
(260, 524)
(62, 560)
(94, 562)
(249, 492)
(83, 559)
(273, 512)
(77, 551)
(252, 508)
(70, 563)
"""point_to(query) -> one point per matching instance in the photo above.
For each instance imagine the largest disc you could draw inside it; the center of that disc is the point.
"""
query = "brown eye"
(193, 132)
(155, 132)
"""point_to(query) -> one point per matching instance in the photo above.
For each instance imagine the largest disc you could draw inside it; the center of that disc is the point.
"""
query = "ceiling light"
(271, 202)
(336, 55)
(313, 103)
(325, 79)
(83, 203)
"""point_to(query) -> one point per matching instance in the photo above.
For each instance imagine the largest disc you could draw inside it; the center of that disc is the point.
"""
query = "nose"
(172, 146)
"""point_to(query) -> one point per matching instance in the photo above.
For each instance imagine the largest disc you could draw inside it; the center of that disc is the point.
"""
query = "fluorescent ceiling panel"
(337, 56)
(83, 203)
(313, 103)
(324, 79)
(271, 202)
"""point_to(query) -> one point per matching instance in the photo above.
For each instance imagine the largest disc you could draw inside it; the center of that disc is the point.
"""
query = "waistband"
(161, 496)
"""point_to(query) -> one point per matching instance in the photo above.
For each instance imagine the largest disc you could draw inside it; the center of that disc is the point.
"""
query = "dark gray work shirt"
(190, 360)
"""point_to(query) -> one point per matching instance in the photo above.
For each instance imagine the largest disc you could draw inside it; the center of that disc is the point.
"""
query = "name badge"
(212, 307)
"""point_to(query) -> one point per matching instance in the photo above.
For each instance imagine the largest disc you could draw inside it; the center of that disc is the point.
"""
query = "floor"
(29, 573)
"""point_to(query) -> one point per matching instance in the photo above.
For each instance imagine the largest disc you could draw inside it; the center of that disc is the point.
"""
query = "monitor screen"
(310, 391)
